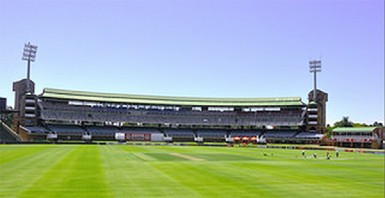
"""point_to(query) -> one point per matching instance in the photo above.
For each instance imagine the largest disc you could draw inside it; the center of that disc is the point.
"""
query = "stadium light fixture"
(29, 54)
(315, 66)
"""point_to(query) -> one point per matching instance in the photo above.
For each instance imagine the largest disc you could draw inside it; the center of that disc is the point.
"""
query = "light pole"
(29, 54)
(315, 66)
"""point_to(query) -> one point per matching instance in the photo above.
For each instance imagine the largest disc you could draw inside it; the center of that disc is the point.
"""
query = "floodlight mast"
(29, 54)
(315, 66)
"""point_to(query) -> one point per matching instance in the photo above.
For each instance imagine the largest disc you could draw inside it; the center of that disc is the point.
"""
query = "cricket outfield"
(185, 171)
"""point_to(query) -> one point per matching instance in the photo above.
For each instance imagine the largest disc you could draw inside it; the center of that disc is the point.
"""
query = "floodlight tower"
(29, 54)
(315, 66)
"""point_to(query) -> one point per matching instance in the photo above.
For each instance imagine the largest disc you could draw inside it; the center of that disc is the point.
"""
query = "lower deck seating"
(66, 129)
(139, 130)
(214, 133)
(179, 133)
(280, 134)
(102, 130)
(37, 129)
(309, 135)
(249, 133)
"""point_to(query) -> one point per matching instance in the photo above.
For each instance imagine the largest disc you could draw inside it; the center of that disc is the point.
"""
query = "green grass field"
(184, 171)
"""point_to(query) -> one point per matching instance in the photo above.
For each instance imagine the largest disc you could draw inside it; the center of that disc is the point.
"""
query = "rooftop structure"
(168, 100)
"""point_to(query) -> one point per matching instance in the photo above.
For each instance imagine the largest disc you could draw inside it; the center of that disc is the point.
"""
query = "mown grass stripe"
(8, 153)
(23, 170)
(79, 174)
(151, 171)
(138, 178)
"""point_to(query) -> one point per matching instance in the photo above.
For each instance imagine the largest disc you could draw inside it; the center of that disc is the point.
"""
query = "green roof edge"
(169, 100)
(354, 129)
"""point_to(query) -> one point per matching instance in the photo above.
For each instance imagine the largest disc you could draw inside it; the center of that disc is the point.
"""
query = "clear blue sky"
(254, 48)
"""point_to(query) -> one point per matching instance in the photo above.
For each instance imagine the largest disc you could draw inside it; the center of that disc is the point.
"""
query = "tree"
(359, 125)
(329, 130)
(345, 122)
(377, 124)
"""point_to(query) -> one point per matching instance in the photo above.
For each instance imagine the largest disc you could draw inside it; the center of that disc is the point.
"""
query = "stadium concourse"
(58, 114)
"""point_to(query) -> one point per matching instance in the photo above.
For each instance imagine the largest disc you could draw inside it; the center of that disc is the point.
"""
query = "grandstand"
(7, 135)
(71, 115)
(358, 137)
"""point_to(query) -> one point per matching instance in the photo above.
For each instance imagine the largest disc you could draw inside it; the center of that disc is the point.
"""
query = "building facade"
(358, 137)
(316, 112)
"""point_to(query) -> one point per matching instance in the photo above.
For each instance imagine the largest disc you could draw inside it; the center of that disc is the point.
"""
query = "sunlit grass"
(185, 171)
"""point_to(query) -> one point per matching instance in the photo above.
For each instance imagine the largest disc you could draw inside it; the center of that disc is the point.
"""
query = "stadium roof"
(354, 129)
(168, 100)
